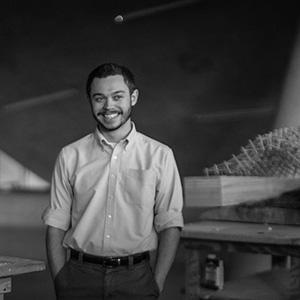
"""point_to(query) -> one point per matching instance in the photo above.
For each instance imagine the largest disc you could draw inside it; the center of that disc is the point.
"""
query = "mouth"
(109, 115)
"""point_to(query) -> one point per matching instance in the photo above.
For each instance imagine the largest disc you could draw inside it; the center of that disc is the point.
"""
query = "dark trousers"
(77, 280)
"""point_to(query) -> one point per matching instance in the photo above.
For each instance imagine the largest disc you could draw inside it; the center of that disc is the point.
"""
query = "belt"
(110, 261)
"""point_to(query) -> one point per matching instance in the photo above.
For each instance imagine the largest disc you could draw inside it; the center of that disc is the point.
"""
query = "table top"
(10, 266)
(242, 232)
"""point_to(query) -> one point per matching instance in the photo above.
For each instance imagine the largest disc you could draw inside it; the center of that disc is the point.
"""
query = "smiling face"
(111, 104)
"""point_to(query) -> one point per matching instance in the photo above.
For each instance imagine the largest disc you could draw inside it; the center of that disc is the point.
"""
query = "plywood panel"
(242, 232)
(15, 265)
(229, 190)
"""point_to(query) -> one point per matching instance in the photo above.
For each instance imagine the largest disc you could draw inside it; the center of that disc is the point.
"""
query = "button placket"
(112, 181)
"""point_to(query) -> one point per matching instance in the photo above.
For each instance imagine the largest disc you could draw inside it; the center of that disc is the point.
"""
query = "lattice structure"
(276, 153)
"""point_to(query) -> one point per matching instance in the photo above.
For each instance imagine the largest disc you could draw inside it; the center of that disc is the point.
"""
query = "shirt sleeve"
(58, 213)
(169, 198)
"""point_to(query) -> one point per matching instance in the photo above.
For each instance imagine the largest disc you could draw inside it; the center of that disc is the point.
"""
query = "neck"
(115, 136)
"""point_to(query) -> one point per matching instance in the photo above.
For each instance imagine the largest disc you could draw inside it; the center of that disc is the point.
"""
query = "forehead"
(108, 84)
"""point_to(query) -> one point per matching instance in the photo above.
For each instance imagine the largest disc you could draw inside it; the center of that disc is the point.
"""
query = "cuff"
(56, 218)
(168, 219)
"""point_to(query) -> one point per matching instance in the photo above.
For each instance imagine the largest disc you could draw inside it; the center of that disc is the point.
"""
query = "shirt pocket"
(139, 187)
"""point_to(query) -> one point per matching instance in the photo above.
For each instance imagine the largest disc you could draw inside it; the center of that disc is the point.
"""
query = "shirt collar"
(131, 136)
(128, 140)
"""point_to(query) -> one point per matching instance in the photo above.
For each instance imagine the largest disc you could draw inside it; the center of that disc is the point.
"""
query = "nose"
(108, 102)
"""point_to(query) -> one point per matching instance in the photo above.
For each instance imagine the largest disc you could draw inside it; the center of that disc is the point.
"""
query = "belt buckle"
(111, 262)
(116, 262)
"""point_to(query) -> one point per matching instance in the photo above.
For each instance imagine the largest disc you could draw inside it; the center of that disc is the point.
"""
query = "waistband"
(110, 262)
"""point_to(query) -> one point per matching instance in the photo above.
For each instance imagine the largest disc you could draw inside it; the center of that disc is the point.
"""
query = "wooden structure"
(275, 154)
(11, 266)
(229, 190)
(268, 227)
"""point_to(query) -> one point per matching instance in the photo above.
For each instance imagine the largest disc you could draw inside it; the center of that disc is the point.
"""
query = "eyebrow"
(113, 93)
(120, 91)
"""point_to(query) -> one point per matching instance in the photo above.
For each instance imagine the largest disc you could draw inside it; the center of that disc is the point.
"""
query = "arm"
(168, 219)
(57, 215)
(168, 243)
(56, 253)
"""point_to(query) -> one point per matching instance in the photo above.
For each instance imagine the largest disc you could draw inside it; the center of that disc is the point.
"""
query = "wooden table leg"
(294, 286)
(5, 286)
(192, 273)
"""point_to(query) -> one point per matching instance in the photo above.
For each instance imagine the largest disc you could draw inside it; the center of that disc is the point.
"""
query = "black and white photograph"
(150, 150)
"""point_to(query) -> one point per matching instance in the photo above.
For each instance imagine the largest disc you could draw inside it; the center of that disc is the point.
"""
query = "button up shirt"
(112, 201)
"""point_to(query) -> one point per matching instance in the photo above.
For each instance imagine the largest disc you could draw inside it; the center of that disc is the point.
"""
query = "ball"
(119, 19)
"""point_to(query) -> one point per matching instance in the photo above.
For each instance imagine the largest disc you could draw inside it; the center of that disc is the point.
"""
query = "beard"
(108, 125)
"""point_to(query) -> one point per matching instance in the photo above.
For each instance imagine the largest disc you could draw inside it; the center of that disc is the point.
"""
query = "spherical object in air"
(119, 19)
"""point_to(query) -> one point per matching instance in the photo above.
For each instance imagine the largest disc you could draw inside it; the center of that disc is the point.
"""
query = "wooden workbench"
(216, 236)
(11, 266)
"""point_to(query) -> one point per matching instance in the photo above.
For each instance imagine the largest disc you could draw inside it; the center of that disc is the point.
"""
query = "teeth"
(111, 116)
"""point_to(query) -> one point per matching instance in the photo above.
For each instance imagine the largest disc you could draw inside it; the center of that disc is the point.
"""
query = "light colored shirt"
(112, 201)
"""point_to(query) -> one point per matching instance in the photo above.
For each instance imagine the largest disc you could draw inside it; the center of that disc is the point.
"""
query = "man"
(116, 196)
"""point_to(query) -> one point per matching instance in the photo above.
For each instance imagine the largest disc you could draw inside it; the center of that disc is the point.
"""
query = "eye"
(118, 97)
(99, 99)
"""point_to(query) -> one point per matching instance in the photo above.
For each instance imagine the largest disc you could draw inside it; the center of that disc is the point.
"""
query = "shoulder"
(77, 146)
(153, 144)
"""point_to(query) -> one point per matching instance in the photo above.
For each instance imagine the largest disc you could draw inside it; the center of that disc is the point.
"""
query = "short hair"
(110, 69)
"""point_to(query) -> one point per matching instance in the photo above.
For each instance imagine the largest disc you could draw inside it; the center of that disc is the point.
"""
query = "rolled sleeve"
(56, 218)
(167, 220)
(169, 199)
(58, 213)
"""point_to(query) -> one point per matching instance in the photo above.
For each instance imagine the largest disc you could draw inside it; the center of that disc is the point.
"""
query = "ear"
(134, 97)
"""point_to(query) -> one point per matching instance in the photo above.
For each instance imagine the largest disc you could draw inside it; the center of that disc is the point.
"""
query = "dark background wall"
(189, 62)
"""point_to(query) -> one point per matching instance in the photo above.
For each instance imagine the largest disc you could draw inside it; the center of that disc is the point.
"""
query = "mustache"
(105, 111)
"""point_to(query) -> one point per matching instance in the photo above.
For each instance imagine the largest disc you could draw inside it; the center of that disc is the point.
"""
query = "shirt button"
(108, 236)
(115, 157)
(109, 216)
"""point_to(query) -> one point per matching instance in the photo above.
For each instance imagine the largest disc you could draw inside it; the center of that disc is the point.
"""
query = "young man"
(116, 196)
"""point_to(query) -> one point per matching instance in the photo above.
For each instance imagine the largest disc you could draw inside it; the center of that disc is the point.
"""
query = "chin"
(109, 127)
